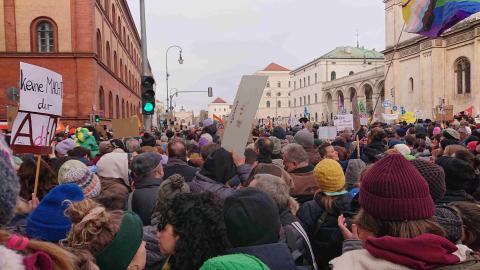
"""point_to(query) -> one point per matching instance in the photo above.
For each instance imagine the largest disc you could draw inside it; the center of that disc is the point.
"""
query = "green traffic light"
(148, 107)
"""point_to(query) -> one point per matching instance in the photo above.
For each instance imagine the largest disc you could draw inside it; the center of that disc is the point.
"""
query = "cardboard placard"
(243, 113)
(124, 128)
(101, 131)
(12, 112)
(33, 133)
(343, 121)
(327, 133)
(389, 118)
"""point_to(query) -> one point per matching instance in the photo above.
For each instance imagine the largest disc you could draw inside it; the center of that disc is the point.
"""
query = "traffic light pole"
(147, 119)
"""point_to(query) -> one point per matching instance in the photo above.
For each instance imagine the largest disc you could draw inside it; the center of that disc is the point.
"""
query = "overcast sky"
(225, 39)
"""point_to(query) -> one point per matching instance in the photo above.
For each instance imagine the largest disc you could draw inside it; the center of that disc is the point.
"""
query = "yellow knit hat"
(329, 175)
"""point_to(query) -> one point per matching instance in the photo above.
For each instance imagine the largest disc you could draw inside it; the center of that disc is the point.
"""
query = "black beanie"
(148, 140)
(458, 173)
(251, 218)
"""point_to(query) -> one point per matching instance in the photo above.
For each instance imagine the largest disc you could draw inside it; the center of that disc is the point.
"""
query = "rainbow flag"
(218, 119)
(432, 17)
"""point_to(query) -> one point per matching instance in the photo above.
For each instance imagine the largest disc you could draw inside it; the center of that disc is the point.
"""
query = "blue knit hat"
(48, 221)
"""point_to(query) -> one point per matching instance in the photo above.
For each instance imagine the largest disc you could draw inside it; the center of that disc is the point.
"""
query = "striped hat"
(74, 171)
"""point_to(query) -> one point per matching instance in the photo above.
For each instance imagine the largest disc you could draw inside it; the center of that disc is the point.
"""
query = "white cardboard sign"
(42, 129)
(329, 133)
(343, 121)
(41, 90)
(243, 112)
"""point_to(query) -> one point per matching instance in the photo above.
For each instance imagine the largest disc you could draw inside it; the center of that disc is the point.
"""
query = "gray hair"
(132, 145)
(295, 153)
(275, 187)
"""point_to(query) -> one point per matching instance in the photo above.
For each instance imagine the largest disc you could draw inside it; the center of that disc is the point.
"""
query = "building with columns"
(183, 117)
(274, 101)
(94, 45)
(425, 72)
(220, 108)
(308, 81)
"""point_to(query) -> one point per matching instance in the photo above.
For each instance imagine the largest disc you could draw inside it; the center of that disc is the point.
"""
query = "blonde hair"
(93, 227)
(62, 259)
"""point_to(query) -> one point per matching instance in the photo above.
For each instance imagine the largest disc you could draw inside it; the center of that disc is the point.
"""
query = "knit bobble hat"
(458, 173)
(74, 171)
(393, 190)
(450, 221)
(434, 175)
(64, 146)
(329, 176)
(48, 221)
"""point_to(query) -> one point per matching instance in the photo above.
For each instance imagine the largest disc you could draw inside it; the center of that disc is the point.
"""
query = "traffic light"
(148, 95)
(210, 92)
(97, 118)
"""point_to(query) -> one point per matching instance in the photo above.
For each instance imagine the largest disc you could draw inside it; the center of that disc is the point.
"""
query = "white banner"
(41, 90)
(37, 132)
(243, 112)
(389, 117)
(329, 133)
(343, 121)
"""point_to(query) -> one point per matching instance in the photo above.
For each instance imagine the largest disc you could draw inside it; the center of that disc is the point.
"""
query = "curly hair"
(26, 175)
(198, 221)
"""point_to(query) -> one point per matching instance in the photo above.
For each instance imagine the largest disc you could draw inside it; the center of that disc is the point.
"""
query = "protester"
(177, 161)
(74, 171)
(470, 216)
(352, 175)
(296, 162)
(376, 146)
(264, 149)
(148, 172)
(112, 169)
(326, 150)
(458, 174)
(191, 230)
(62, 148)
(26, 174)
(306, 140)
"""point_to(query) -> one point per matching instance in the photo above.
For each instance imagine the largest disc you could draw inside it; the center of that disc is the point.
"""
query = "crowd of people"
(386, 196)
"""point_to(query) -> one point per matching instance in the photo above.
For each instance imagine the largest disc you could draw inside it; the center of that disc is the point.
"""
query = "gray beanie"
(304, 138)
(9, 185)
(450, 221)
(354, 169)
(277, 145)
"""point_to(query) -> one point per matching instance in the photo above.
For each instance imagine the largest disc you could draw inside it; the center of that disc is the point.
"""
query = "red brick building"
(94, 44)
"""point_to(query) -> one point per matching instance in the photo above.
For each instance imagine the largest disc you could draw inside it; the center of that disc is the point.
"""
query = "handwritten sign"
(389, 118)
(344, 121)
(41, 90)
(327, 133)
(33, 133)
(243, 113)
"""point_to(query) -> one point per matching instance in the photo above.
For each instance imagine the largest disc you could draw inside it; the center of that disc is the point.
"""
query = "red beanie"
(394, 190)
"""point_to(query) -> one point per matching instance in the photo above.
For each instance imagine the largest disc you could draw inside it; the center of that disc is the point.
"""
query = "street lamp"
(180, 61)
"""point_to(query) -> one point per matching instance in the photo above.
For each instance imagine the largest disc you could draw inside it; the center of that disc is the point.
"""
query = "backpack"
(471, 263)
(290, 235)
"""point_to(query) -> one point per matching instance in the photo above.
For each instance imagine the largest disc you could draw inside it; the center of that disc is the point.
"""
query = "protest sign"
(389, 118)
(327, 133)
(343, 121)
(12, 112)
(124, 128)
(33, 133)
(41, 90)
(243, 112)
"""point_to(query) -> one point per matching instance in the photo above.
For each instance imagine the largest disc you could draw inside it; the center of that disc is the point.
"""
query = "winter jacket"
(304, 184)
(456, 196)
(276, 256)
(373, 151)
(115, 191)
(313, 156)
(426, 251)
(202, 183)
(293, 234)
(155, 259)
(175, 165)
(144, 198)
(322, 227)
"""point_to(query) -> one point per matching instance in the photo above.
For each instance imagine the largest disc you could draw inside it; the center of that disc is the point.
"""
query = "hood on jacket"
(426, 251)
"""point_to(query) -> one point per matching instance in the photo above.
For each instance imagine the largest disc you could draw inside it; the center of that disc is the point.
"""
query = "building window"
(45, 33)
(304, 100)
(304, 82)
(300, 83)
(110, 105)
(294, 85)
(119, 26)
(279, 104)
(316, 99)
(462, 73)
(269, 94)
(289, 103)
(294, 102)
(101, 99)
(115, 64)
(289, 84)
(107, 4)
(99, 44)
(117, 106)
(268, 84)
(279, 84)
(114, 15)
(316, 117)
(351, 73)
(121, 71)
(316, 77)
(123, 108)
(308, 80)
(410, 84)
(308, 99)
(127, 110)
(333, 75)
(279, 94)
(300, 101)
(108, 54)
(268, 104)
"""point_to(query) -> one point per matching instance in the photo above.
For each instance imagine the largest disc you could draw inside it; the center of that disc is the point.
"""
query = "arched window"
(410, 84)
(279, 104)
(125, 73)
(308, 80)
(117, 106)
(119, 26)
(351, 73)
(462, 73)
(99, 44)
(114, 16)
(309, 99)
(268, 84)
(316, 77)
(294, 102)
(128, 44)
(121, 69)
(101, 99)
(107, 5)
(268, 104)
(123, 108)
(316, 99)
(128, 110)
(316, 117)
(115, 64)
(279, 84)
(108, 55)
(124, 36)
(333, 76)
(44, 30)
(110, 105)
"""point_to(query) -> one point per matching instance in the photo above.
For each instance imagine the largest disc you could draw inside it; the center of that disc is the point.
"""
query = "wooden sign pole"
(37, 175)
(358, 147)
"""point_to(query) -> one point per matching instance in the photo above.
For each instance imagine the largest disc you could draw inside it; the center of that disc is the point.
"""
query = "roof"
(275, 67)
(349, 52)
(219, 100)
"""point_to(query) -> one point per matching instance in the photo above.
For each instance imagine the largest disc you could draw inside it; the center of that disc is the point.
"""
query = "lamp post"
(180, 61)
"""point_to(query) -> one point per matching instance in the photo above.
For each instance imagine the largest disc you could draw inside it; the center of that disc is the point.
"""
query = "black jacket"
(179, 166)
(322, 227)
(276, 256)
(144, 198)
(456, 196)
(373, 151)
